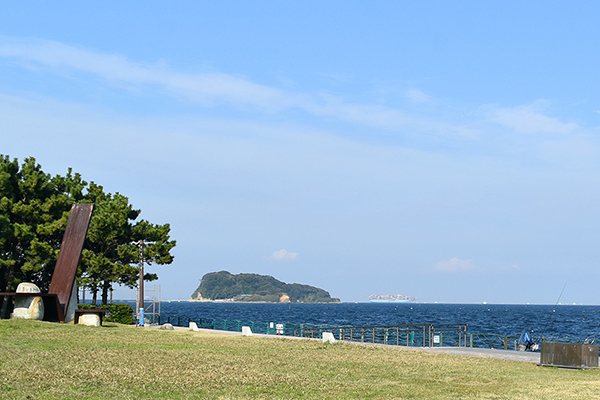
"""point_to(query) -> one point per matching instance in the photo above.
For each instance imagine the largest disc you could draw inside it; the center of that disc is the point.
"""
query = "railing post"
(471, 340)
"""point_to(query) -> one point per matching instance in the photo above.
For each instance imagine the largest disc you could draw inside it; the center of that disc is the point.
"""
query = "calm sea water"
(577, 322)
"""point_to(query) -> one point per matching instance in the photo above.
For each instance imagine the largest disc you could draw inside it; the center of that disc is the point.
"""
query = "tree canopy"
(34, 208)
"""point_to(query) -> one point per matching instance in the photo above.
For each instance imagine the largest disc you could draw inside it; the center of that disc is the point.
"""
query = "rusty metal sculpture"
(63, 278)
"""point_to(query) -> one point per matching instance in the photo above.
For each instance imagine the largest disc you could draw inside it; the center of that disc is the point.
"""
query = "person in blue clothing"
(526, 340)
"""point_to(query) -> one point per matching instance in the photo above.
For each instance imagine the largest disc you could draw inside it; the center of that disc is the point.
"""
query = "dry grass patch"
(53, 361)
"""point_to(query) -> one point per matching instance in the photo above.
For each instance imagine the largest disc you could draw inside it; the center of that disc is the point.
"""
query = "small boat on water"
(392, 298)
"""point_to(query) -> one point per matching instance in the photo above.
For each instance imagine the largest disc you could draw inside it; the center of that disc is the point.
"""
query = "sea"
(575, 322)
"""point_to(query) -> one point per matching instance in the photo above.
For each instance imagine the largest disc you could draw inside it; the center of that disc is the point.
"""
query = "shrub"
(120, 313)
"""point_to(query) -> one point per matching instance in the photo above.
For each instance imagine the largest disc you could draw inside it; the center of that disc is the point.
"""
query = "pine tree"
(34, 209)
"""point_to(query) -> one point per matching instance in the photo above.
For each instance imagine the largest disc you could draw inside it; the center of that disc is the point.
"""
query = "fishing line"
(553, 310)
(561, 293)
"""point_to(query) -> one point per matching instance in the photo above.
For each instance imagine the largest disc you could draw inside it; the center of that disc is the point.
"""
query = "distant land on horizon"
(224, 286)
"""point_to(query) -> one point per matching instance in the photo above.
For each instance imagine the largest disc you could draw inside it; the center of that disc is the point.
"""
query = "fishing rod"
(553, 310)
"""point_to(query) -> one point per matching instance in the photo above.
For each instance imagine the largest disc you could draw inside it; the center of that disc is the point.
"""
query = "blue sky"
(447, 151)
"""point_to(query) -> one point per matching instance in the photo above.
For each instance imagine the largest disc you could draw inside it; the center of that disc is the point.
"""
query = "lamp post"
(141, 285)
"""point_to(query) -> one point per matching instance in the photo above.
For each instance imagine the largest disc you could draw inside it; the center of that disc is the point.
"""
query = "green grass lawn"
(40, 360)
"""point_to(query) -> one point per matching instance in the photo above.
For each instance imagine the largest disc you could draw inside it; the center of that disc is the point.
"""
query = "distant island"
(224, 286)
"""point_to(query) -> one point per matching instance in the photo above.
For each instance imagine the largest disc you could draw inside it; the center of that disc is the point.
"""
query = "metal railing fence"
(510, 342)
(424, 335)
(412, 335)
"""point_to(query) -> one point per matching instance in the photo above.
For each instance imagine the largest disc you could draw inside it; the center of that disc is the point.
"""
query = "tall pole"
(141, 288)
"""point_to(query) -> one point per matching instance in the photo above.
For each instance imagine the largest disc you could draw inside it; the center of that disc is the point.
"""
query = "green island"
(257, 288)
(42, 360)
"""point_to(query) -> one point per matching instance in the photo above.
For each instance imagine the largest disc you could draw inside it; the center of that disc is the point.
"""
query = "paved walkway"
(525, 356)
(459, 351)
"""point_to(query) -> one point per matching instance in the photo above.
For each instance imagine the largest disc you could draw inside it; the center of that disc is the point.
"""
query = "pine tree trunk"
(4, 307)
(4, 313)
(105, 288)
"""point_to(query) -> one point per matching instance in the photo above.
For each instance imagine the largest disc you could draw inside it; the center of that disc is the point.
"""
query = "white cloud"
(417, 96)
(529, 119)
(204, 88)
(454, 264)
(215, 88)
(283, 254)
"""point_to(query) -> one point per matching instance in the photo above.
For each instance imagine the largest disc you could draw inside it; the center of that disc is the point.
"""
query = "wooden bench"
(52, 310)
(82, 311)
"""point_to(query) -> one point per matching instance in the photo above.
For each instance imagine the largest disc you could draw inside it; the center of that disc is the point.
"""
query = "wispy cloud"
(529, 119)
(204, 88)
(528, 124)
(283, 254)
(417, 96)
(455, 264)
(215, 88)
